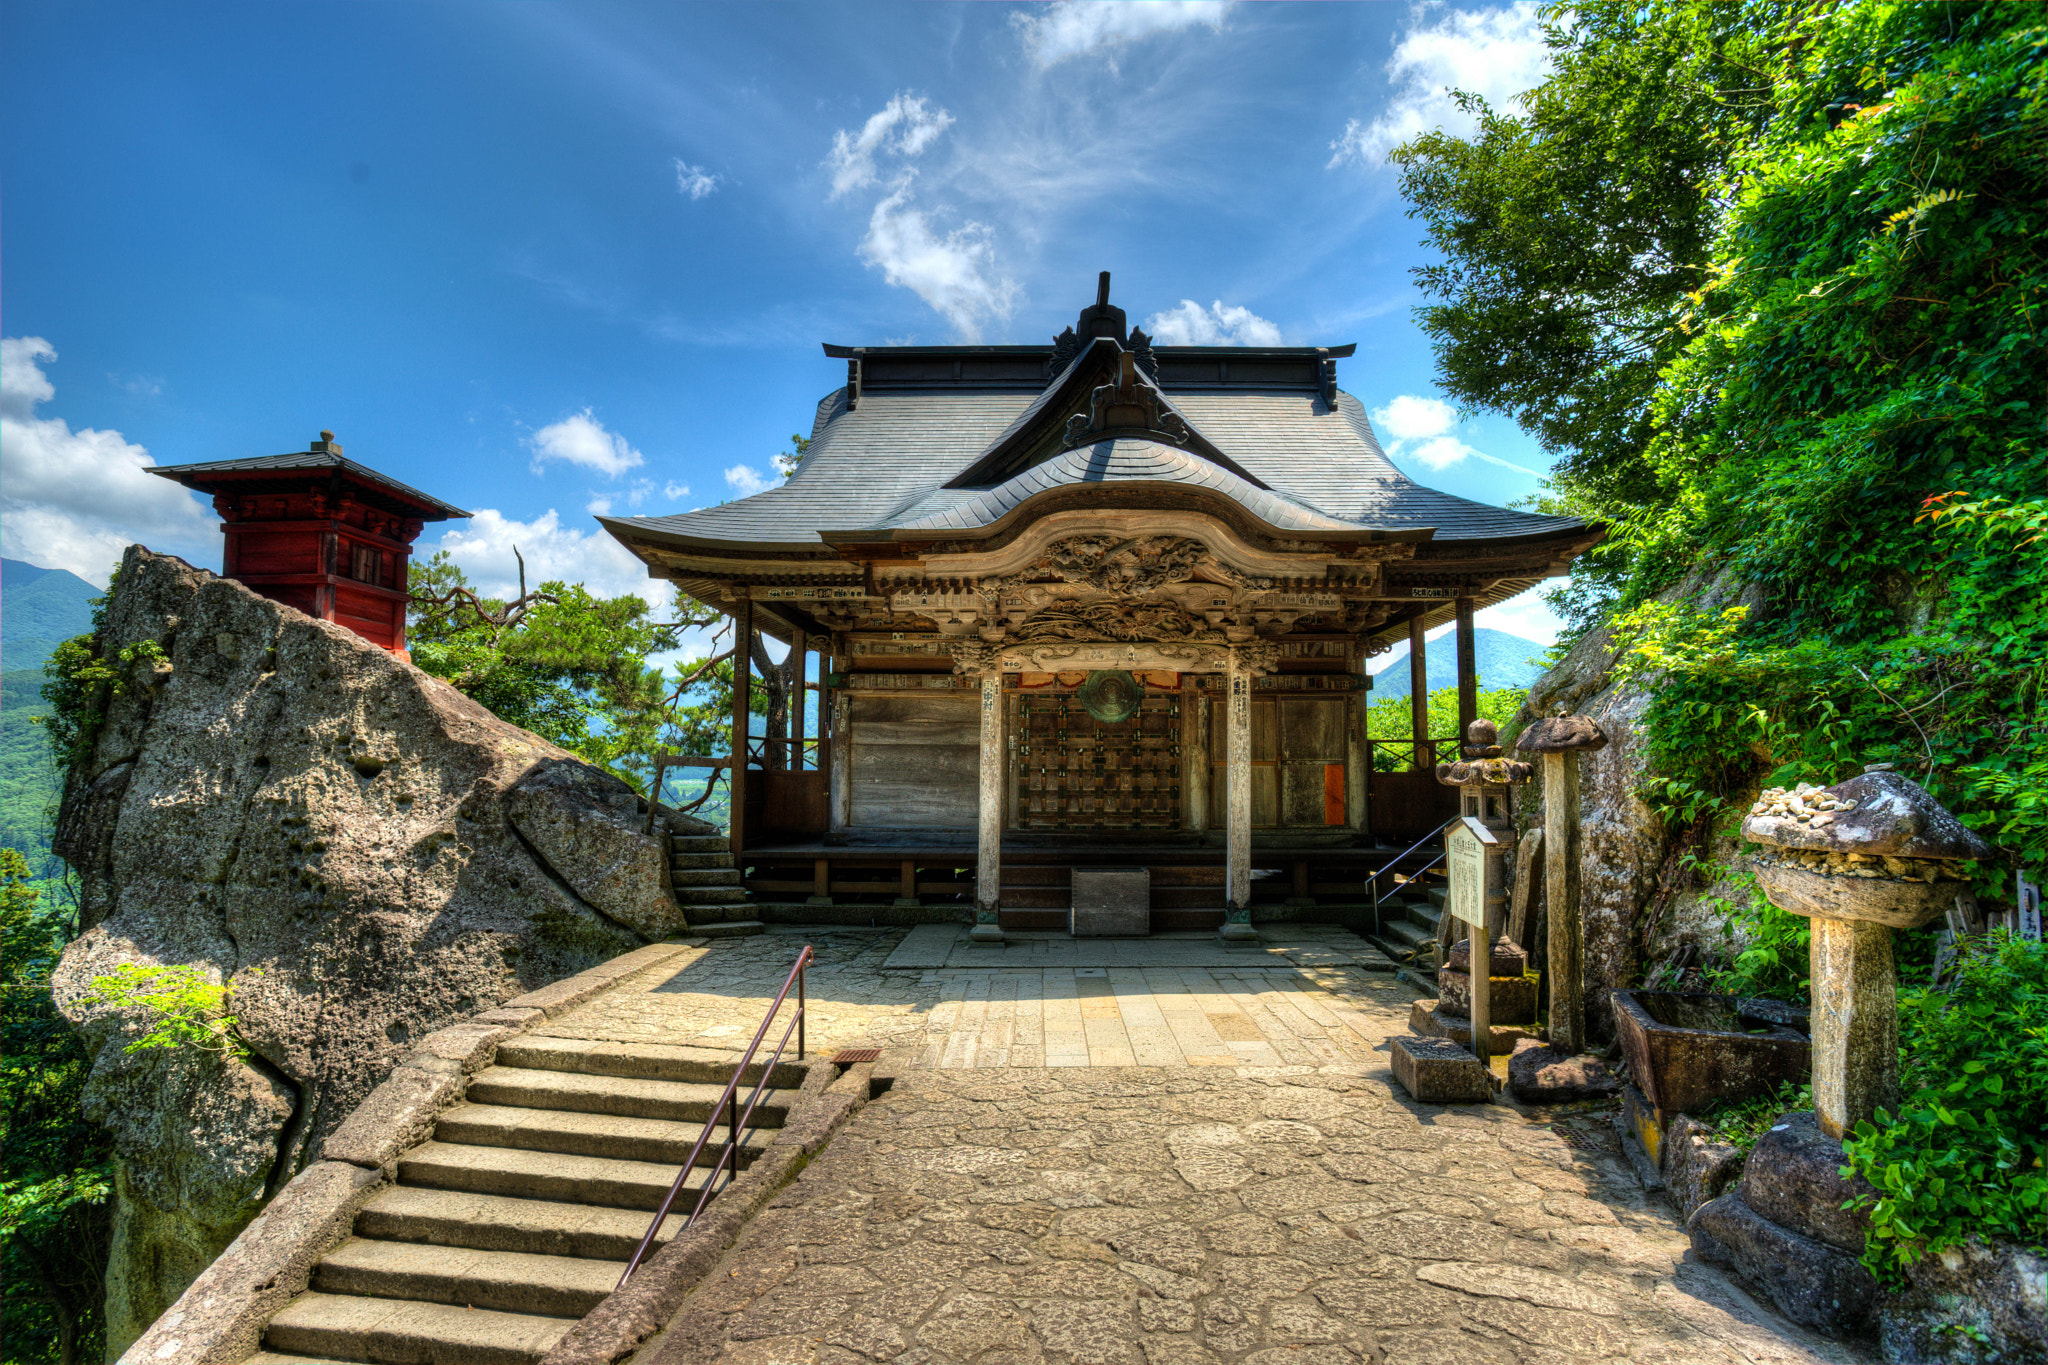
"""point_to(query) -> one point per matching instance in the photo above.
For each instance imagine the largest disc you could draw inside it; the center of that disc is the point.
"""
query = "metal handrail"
(729, 1101)
(1369, 881)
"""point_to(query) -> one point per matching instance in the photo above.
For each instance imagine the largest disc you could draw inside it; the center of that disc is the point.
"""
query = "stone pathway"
(1203, 1215)
(1298, 1004)
(1279, 945)
(1164, 1164)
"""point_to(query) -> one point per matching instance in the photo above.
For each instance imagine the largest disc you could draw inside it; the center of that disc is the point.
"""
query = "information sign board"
(1466, 861)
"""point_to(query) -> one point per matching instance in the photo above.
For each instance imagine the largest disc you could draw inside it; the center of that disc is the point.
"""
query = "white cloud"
(672, 491)
(1419, 429)
(1193, 325)
(905, 126)
(1498, 54)
(955, 274)
(483, 548)
(581, 439)
(695, 182)
(1409, 418)
(1075, 28)
(77, 499)
(746, 481)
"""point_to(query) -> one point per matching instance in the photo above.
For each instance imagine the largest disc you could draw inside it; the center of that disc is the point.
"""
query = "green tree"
(573, 667)
(55, 1223)
(1572, 231)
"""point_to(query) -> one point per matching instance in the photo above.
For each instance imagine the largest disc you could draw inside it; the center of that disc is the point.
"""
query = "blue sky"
(548, 259)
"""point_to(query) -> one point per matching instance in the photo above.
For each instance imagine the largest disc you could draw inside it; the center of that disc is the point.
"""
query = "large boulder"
(359, 850)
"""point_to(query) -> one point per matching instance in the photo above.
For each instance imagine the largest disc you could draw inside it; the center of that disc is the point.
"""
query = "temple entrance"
(1077, 773)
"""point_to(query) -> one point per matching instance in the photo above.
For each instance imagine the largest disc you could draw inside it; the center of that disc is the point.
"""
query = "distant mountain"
(38, 609)
(1504, 660)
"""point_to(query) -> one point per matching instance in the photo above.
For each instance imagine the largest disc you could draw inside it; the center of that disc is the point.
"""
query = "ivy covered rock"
(357, 851)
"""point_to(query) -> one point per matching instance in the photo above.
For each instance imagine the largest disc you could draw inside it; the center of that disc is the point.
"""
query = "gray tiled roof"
(1121, 460)
(883, 465)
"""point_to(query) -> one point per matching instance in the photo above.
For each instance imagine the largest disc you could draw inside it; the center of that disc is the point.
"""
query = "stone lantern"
(1865, 857)
(1485, 778)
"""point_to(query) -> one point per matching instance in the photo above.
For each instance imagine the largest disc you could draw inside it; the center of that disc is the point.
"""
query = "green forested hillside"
(39, 608)
(1504, 661)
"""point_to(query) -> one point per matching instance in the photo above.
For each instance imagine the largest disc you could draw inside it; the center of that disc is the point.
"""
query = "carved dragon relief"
(1129, 621)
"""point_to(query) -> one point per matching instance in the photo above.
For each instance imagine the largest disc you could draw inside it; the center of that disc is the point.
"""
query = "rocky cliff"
(359, 850)
(1639, 902)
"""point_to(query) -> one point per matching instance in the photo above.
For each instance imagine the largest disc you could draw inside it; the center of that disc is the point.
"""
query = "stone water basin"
(1687, 1049)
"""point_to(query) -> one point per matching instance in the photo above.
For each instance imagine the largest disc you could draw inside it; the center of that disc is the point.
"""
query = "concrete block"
(1511, 999)
(1111, 902)
(1437, 1071)
(1425, 1019)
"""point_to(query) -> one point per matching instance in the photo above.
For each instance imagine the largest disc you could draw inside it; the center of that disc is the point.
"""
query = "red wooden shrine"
(319, 532)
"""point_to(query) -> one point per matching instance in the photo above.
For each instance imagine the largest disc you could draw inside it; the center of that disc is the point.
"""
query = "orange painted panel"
(1333, 793)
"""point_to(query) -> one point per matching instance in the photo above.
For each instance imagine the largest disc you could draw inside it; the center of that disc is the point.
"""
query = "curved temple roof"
(925, 442)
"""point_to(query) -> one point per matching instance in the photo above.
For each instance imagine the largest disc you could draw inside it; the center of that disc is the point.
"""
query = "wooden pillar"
(1468, 667)
(800, 664)
(907, 890)
(1418, 694)
(821, 881)
(742, 686)
(1564, 964)
(840, 777)
(1196, 774)
(1357, 753)
(988, 864)
(1237, 777)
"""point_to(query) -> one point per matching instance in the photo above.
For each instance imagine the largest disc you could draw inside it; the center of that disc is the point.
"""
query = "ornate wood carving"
(1114, 621)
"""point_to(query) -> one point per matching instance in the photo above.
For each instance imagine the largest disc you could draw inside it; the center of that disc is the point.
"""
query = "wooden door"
(1073, 772)
(1298, 758)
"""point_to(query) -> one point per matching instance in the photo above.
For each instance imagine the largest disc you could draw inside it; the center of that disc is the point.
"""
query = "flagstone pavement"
(1171, 1166)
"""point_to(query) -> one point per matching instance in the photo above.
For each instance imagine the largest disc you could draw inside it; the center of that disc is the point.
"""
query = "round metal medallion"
(1111, 695)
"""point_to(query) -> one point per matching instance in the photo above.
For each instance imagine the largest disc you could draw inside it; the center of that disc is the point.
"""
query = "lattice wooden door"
(1076, 773)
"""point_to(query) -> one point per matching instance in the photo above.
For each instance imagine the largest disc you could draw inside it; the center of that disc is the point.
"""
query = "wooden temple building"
(320, 532)
(1089, 603)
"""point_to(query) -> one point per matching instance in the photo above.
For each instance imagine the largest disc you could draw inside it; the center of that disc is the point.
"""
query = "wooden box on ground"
(1111, 902)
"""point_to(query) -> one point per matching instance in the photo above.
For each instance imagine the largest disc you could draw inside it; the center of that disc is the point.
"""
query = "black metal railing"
(1372, 882)
(736, 1121)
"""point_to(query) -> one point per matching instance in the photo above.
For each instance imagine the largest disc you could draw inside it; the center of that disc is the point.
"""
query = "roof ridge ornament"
(1132, 403)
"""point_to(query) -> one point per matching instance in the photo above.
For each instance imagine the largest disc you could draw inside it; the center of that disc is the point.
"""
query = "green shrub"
(186, 1009)
(1739, 1123)
(1778, 959)
(1964, 1155)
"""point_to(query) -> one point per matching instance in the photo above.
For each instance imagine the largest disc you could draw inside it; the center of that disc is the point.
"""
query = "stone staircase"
(1409, 925)
(707, 885)
(518, 1216)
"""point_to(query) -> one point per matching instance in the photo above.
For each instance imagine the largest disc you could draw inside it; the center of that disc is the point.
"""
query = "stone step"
(600, 1135)
(678, 861)
(1425, 913)
(1408, 934)
(676, 1101)
(1439, 895)
(646, 1061)
(555, 1176)
(700, 843)
(272, 1358)
(731, 928)
(402, 1332)
(699, 877)
(710, 895)
(504, 1281)
(495, 1222)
